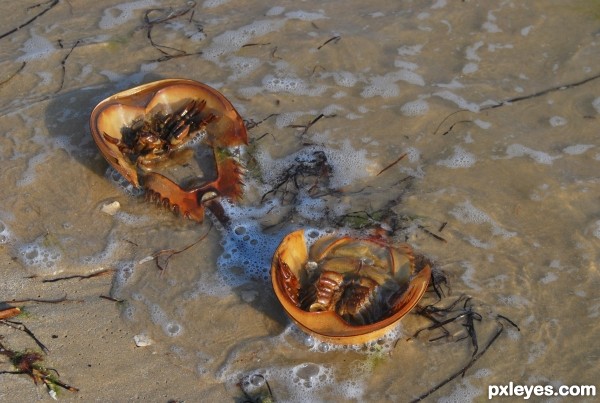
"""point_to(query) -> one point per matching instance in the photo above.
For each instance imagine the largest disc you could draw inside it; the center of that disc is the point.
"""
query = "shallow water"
(502, 163)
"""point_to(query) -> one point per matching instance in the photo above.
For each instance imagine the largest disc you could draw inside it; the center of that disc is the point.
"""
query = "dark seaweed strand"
(307, 126)
(465, 368)
(543, 92)
(13, 74)
(20, 326)
(517, 99)
(334, 39)
(63, 61)
(44, 11)
(172, 14)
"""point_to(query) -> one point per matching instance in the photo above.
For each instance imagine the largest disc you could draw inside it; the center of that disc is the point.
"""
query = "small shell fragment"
(142, 340)
(111, 208)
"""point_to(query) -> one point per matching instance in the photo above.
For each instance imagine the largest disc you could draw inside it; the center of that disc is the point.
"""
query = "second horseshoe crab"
(152, 135)
(346, 290)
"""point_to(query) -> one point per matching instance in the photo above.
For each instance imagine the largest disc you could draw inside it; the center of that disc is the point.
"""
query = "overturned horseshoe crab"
(346, 290)
(176, 139)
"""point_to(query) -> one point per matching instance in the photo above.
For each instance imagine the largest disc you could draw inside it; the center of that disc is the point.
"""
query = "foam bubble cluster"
(596, 230)
(596, 104)
(460, 159)
(577, 149)
(120, 14)
(230, 41)
(159, 317)
(293, 85)
(518, 150)
(415, 108)
(383, 345)
(5, 234)
(40, 254)
(467, 213)
(348, 165)
(458, 100)
(247, 251)
(556, 121)
(36, 47)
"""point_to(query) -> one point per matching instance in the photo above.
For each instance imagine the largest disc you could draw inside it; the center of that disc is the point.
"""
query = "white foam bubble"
(292, 85)
(159, 317)
(549, 278)
(518, 150)
(596, 230)
(410, 77)
(471, 52)
(40, 255)
(5, 234)
(36, 47)
(230, 41)
(242, 66)
(124, 271)
(482, 123)
(121, 13)
(466, 212)
(410, 50)
(349, 165)
(458, 100)
(277, 10)
(460, 159)
(470, 68)
(247, 251)
(596, 104)
(526, 30)
(383, 86)
(514, 300)
(413, 154)
(577, 149)
(556, 121)
(213, 3)
(415, 108)
(305, 15)
(345, 78)
(467, 276)
(463, 392)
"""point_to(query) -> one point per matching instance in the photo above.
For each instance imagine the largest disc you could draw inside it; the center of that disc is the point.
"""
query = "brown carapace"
(175, 138)
(347, 290)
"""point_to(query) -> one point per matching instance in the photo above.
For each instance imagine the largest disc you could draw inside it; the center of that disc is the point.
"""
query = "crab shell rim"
(328, 326)
(140, 98)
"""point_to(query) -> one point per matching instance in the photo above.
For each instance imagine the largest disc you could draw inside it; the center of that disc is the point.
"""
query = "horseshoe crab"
(174, 138)
(346, 290)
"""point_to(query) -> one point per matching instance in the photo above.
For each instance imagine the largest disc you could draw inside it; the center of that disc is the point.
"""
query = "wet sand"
(496, 109)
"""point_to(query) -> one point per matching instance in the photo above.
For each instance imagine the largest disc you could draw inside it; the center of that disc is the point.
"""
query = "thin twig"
(106, 297)
(392, 164)
(43, 301)
(23, 328)
(334, 39)
(44, 11)
(543, 92)
(171, 252)
(436, 236)
(79, 276)
(462, 370)
(62, 63)
(312, 122)
(14, 74)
